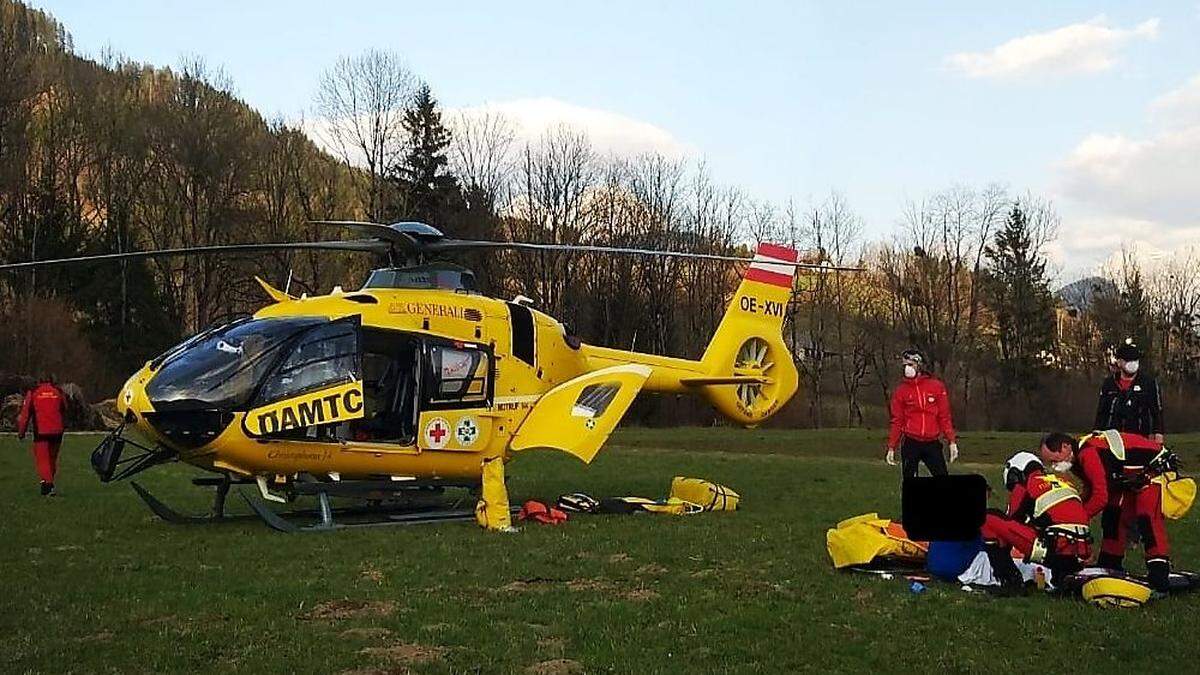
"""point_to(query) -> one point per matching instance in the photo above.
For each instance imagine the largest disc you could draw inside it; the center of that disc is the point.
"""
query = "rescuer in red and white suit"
(44, 413)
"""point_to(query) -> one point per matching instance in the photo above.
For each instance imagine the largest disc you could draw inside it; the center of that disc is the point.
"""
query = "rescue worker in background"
(920, 412)
(1130, 399)
(1045, 521)
(1116, 469)
(44, 412)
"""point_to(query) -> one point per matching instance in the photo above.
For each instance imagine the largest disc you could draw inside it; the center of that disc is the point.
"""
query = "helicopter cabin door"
(314, 387)
(343, 383)
(457, 385)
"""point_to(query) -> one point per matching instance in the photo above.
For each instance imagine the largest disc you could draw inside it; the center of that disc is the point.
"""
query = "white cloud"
(1155, 179)
(1088, 47)
(1179, 107)
(609, 132)
(1140, 192)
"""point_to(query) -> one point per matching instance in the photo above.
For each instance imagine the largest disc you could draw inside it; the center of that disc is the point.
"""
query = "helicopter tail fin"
(749, 369)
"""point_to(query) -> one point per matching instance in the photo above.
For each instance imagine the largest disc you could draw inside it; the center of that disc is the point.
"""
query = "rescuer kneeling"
(1045, 521)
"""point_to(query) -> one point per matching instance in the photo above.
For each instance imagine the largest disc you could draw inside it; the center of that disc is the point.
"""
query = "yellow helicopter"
(415, 381)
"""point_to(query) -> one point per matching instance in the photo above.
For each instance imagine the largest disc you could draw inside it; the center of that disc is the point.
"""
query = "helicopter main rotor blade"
(360, 245)
(467, 244)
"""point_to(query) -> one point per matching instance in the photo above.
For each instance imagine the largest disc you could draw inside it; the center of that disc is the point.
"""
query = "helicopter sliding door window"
(320, 357)
(458, 376)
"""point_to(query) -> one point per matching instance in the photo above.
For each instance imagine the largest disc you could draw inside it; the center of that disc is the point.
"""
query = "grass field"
(91, 582)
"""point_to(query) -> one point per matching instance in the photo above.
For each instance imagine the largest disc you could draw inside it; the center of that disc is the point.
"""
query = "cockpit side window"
(323, 356)
(458, 376)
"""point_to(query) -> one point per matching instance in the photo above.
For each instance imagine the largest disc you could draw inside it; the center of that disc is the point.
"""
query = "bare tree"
(361, 101)
(481, 155)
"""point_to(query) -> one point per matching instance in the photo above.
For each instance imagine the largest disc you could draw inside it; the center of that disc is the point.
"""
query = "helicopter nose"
(188, 429)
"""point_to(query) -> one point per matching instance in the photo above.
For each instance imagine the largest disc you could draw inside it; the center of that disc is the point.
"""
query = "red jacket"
(1099, 468)
(920, 411)
(1063, 510)
(45, 407)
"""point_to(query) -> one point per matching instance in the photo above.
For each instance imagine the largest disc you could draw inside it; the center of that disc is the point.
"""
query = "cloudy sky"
(1095, 105)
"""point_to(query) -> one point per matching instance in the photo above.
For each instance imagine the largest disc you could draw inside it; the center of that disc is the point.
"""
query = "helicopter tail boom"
(747, 372)
(748, 369)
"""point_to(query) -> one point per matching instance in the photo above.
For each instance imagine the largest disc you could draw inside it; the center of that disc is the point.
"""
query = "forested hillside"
(99, 154)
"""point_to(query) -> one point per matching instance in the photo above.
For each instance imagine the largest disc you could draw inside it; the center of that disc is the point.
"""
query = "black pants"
(913, 451)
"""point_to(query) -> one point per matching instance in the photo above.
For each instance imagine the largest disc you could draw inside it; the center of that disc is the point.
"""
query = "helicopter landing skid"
(326, 513)
(172, 516)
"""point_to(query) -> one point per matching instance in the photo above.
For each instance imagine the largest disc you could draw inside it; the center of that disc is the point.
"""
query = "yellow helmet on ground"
(1115, 592)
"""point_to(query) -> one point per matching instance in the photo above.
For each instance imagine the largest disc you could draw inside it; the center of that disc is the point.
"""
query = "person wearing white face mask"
(1115, 471)
(1130, 400)
(920, 411)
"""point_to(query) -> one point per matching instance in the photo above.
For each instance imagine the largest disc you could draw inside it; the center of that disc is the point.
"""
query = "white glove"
(953, 452)
(891, 457)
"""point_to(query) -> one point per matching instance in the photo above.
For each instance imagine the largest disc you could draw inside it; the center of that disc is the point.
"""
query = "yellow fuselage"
(446, 314)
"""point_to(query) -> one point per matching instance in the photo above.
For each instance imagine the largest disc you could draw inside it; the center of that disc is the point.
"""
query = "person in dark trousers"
(44, 412)
(920, 411)
(1130, 400)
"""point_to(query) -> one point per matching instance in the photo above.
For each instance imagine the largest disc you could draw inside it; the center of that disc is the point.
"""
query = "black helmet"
(913, 356)
(578, 503)
(1128, 351)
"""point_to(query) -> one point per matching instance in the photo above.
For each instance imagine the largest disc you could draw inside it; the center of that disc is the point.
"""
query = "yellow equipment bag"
(492, 511)
(859, 540)
(1177, 494)
(708, 495)
(1108, 591)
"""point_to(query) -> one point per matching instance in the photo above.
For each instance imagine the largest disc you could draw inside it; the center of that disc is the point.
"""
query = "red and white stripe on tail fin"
(767, 267)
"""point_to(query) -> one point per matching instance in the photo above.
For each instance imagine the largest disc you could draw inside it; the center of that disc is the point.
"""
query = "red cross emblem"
(437, 432)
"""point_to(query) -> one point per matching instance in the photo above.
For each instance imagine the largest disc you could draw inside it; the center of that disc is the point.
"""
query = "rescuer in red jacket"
(44, 410)
(1115, 469)
(1045, 520)
(920, 412)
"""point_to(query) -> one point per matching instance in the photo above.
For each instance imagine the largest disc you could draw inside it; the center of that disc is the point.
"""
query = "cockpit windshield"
(222, 368)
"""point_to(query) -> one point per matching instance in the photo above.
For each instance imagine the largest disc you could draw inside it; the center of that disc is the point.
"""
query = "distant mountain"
(1081, 294)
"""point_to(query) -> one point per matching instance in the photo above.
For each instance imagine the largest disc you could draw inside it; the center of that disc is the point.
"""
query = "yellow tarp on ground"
(861, 539)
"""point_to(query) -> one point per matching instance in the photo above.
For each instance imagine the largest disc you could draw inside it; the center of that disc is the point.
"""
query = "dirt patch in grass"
(618, 557)
(366, 633)
(640, 595)
(102, 636)
(371, 573)
(555, 667)
(653, 569)
(406, 653)
(552, 645)
(589, 585)
(337, 610)
(530, 584)
(435, 627)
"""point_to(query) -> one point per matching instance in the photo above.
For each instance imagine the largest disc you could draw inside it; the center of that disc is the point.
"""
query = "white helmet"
(1018, 467)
